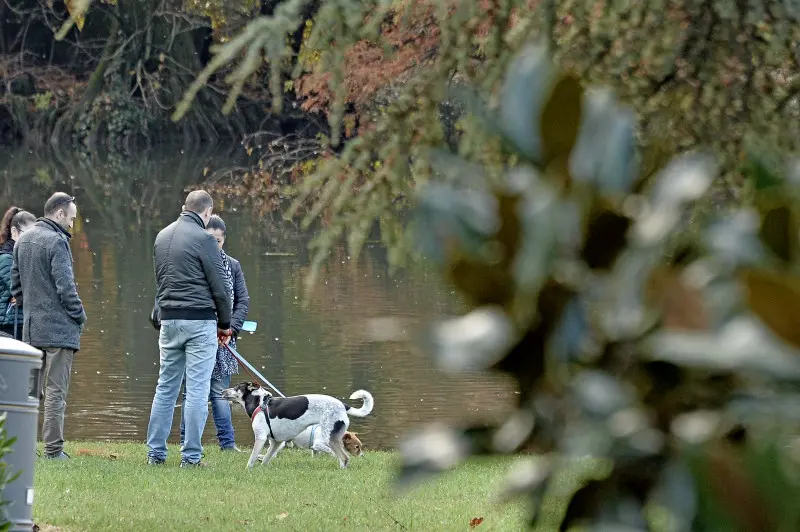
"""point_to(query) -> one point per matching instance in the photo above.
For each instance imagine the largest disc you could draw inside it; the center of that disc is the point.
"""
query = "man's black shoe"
(184, 463)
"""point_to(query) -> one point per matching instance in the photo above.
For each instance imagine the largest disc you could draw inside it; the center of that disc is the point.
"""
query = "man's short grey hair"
(198, 201)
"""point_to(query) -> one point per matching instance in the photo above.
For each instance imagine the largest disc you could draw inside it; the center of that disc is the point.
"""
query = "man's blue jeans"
(187, 347)
(221, 410)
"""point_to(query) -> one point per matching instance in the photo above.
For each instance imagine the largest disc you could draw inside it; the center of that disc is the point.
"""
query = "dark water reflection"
(325, 347)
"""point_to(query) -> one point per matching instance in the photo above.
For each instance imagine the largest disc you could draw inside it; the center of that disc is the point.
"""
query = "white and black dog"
(281, 419)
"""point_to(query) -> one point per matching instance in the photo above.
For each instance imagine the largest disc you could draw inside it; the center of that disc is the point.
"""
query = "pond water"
(326, 346)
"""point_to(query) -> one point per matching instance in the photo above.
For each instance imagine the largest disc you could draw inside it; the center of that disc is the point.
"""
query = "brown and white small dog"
(307, 438)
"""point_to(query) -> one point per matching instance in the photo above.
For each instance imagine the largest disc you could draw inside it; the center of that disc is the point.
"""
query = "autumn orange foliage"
(412, 35)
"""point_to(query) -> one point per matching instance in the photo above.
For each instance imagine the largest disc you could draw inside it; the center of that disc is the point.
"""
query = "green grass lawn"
(107, 486)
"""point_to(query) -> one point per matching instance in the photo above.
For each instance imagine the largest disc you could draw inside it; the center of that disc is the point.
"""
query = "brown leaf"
(481, 284)
(96, 452)
(655, 156)
(475, 521)
(491, 282)
(779, 232)
(775, 298)
(734, 491)
(561, 119)
(681, 306)
(510, 231)
(282, 515)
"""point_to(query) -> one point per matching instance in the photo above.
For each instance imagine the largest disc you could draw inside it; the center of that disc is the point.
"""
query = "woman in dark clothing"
(226, 364)
(15, 222)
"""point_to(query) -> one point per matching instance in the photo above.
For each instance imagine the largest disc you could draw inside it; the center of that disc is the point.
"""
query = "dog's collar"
(262, 407)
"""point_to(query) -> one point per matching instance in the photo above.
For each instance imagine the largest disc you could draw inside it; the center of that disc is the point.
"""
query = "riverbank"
(107, 487)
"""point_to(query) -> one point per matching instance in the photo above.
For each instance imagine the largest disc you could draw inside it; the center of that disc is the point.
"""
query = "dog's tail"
(365, 409)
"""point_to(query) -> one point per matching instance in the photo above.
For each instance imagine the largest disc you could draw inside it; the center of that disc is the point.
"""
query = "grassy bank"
(108, 487)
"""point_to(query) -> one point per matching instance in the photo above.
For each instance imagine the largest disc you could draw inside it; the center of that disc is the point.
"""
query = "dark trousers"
(54, 380)
(9, 330)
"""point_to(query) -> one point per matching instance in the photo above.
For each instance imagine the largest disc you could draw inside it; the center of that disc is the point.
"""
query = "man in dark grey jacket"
(195, 312)
(43, 282)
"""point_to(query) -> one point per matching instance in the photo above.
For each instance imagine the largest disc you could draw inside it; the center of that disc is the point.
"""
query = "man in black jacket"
(54, 316)
(195, 312)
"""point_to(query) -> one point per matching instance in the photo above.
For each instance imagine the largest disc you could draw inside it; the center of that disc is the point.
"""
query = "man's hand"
(224, 335)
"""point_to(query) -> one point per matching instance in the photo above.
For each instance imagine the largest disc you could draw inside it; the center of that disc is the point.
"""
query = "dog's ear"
(347, 436)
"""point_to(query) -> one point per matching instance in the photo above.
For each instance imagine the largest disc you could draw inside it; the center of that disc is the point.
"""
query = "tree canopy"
(389, 75)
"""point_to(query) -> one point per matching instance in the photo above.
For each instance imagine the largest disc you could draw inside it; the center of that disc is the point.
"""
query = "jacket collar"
(7, 247)
(44, 222)
(192, 216)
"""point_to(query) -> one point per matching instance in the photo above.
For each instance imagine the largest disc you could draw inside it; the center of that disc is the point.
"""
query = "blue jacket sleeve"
(5, 278)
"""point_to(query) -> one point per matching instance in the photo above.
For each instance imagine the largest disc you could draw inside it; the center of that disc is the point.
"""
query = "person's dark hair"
(198, 201)
(14, 217)
(216, 223)
(59, 200)
(5, 228)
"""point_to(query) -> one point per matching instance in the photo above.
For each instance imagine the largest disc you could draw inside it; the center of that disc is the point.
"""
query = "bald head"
(199, 202)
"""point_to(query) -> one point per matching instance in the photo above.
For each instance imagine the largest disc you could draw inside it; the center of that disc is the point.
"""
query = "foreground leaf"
(741, 344)
(605, 151)
(682, 307)
(729, 498)
(775, 298)
(475, 521)
(524, 94)
(559, 124)
(474, 341)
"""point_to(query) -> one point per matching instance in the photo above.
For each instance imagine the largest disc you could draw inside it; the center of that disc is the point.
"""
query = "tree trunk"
(93, 88)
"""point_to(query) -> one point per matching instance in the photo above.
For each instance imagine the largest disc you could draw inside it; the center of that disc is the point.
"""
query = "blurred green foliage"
(667, 351)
